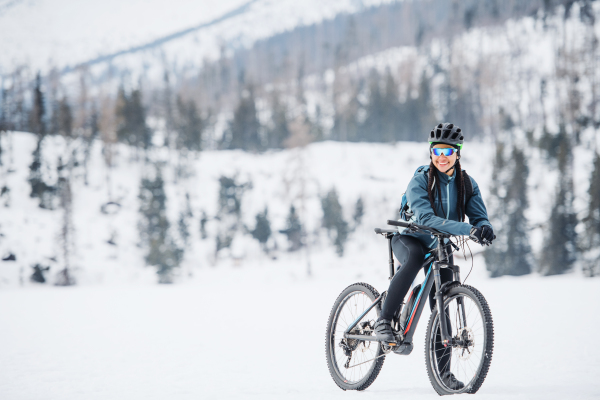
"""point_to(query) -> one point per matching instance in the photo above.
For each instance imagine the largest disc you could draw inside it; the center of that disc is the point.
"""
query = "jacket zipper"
(448, 200)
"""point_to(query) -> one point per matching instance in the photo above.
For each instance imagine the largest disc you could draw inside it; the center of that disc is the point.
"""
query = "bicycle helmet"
(448, 134)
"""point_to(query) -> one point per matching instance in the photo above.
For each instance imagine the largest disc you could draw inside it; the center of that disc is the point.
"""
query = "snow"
(257, 331)
(62, 33)
(247, 325)
(376, 172)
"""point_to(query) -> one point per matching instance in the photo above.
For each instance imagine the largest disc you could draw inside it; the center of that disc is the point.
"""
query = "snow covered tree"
(333, 220)
(293, 230)
(65, 118)
(511, 253)
(359, 212)
(67, 232)
(183, 224)
(230, 208)
(162, 252)
(37, 122)
(131, 119)
(590, 240)
(244, 129)
(560, 244)
(190, 125)
(262, 229)
(203, 221)
(279, 132)
(39, 188)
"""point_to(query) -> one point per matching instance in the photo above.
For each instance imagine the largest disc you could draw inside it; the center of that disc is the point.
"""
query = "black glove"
(483, 235)
(475, 235)
(487, 234)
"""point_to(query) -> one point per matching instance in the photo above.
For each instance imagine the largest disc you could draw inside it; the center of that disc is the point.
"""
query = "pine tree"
(131, 119)
(333, 220)
(560, 245)
(591, 236)
(137, 121)
(203, 221)
(39, 188)
(67, 233)
(65, 118)
(190, 126)
(262, 229)
(244, 129)
(359, 212)
(230, 210)
(37, 123)
(293, 230)
(162, 252)
(280, 131)
(183, 224)
(373, 125)
(511, 253)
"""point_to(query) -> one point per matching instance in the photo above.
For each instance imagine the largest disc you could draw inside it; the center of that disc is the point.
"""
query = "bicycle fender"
(448, 285)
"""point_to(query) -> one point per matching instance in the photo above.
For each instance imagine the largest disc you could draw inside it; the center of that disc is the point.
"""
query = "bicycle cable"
(461, 242)
(466, 243)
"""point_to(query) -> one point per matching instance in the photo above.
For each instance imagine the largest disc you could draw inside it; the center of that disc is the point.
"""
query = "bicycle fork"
(439, 302)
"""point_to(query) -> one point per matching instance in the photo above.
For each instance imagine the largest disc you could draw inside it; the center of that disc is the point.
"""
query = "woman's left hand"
(487, 233)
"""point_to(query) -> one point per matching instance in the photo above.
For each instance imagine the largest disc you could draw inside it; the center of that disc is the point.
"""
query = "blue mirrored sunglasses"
(445, 151)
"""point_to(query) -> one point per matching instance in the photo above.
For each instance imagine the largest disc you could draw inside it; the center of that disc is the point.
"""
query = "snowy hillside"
(106, 245)
(64, 34)
(378, 173)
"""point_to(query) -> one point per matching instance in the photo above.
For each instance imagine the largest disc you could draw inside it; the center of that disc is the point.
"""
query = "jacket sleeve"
(418, 200)
(475, 208)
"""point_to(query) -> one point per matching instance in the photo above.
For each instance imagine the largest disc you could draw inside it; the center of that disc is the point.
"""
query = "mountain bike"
(461, 343)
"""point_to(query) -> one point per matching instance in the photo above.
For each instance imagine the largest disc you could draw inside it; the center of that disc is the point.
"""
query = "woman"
(437, 198)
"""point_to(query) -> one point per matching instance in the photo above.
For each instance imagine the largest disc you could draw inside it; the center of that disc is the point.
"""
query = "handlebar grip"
(398, 223)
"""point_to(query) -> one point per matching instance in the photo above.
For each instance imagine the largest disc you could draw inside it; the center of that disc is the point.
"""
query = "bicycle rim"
(464, 361)
(364, 353)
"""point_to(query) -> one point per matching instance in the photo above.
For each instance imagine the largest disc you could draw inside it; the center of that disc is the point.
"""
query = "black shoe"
(383, 331)
(451, 382)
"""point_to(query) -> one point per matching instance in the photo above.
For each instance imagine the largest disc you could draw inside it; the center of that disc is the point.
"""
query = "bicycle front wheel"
(462, 366)
(353, 364)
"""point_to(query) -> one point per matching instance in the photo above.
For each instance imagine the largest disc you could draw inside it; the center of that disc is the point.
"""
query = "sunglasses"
(445, 151)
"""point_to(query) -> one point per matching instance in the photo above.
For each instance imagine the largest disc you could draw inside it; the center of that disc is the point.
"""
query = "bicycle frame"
(436, 263)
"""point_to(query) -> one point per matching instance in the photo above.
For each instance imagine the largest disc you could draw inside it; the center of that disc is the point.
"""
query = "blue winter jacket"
(418, 201)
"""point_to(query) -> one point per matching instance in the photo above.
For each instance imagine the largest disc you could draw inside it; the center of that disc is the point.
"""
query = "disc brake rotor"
(465, 335)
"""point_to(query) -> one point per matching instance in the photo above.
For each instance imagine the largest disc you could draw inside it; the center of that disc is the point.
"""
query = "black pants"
(411, 254)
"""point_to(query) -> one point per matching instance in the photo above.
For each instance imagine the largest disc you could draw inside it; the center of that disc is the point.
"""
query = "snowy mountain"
(65, 34)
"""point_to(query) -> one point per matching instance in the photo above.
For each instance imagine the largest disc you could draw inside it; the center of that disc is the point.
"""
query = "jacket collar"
(445, 178)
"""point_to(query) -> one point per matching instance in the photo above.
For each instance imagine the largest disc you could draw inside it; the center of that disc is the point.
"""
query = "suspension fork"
(439, 303)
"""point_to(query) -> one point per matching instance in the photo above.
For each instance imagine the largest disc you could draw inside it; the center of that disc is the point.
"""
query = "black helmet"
(448, 134)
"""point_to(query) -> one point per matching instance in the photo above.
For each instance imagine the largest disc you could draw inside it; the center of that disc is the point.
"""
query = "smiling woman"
(444, 157)
(436, 197)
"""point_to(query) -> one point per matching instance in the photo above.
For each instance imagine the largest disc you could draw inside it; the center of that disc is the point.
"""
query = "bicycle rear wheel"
(469, 357)
(353, 364)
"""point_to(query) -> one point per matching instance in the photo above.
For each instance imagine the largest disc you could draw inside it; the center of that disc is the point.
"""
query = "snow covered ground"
(257, 331)
(252, 326)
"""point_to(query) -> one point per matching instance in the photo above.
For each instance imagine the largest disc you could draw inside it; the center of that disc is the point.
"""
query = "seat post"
(391, 254)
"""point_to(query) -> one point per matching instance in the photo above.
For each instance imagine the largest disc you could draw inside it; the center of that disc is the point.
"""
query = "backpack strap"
(468, 187)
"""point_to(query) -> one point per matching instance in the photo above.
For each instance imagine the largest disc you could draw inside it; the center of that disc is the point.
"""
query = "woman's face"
(443, 163)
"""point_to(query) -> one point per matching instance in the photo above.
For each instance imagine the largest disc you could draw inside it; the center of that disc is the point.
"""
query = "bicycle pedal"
(404, 349)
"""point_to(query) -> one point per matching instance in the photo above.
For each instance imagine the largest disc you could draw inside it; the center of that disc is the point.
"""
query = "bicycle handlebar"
(414, 227)
(426, 229)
